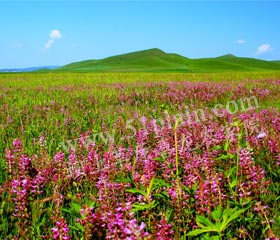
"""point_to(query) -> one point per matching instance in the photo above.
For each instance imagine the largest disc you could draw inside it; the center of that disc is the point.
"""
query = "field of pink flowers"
(139, 156)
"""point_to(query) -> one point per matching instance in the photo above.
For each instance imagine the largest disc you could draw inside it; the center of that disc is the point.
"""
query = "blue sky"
(38, 33)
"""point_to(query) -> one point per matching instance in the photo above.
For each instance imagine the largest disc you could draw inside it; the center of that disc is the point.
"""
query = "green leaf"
(195, 186)
(159, 159)
(226, 146)
(197, 232)
(150, 187)
(143, 206)
(78, 226)
(76, 207)
(233, 183)
(229, 215)
(123, 180)
(140, 207)
(161, 195)
(135, 190)
(212, 237)
(218, 147)
(274, 174)
(231, 171)
(91, 203)
(217, 213)
(162, 158)
(235, 214)
(222, 157)
(204, 222)
(161, 183)
(245, 203)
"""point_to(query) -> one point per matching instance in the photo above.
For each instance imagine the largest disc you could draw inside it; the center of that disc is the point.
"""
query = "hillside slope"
(147, 60)
(157, 60)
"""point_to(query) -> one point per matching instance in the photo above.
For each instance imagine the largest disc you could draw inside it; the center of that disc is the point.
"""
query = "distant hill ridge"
(156, 60)
(153, 60)
(30, 69)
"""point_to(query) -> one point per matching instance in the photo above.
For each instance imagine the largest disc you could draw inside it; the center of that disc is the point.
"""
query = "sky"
(51, 33)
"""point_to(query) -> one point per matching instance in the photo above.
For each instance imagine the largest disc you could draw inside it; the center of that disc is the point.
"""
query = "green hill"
(157, 60)
(229, 63)
(226, 56)
(147, 60)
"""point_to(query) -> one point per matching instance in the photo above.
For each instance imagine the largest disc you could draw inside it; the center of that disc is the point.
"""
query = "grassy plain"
(125, 155)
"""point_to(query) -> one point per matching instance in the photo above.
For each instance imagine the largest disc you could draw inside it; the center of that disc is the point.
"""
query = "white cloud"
(48, 44)
(264, 48)
(240, 41)
(54, 35)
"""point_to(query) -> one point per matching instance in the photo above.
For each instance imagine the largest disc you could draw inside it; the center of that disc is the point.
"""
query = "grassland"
(126, 156)
(155, 60)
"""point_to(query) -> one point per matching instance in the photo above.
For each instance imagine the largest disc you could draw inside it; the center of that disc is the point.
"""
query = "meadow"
(140, 155)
